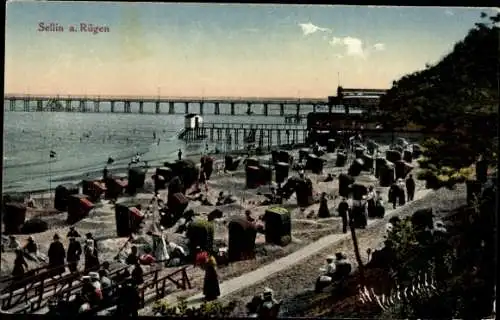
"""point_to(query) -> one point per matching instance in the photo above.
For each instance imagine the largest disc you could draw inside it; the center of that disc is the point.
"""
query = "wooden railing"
(257, 126)
(37, 289)
(161, 283)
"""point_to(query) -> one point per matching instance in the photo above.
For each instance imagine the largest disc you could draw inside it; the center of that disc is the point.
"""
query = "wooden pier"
(180, 105)
(261, 135)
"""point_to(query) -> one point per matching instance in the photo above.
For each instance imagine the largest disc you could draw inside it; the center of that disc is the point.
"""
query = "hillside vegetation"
(459, 97)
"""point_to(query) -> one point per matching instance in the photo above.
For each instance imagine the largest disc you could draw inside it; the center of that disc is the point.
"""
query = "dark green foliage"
(457, 97)
(464, 82)
(462, 263)
(213, 309)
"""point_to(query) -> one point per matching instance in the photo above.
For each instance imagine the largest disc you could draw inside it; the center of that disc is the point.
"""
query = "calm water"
(84, 141)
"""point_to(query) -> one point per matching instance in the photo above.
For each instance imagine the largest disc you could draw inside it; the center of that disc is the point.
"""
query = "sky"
(222, 50)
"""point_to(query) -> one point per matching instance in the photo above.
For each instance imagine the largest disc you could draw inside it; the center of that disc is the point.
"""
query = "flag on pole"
(52, 154)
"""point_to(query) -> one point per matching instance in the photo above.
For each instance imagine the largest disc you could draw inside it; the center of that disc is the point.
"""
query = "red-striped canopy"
(86, 203)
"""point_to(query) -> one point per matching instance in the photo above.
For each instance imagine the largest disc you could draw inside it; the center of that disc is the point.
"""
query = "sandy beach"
(306, 227)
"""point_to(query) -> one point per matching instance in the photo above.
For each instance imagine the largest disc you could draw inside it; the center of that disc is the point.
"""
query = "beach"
(306, 227)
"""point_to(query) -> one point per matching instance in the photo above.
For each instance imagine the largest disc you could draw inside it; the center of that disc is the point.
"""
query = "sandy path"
(259, 275)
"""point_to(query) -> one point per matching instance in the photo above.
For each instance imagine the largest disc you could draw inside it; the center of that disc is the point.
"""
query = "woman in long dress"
(211, 289)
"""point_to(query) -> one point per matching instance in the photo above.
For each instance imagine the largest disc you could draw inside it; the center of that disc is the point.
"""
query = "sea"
(83, 142)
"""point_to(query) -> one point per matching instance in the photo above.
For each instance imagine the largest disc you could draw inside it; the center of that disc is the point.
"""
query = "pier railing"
(249, 126)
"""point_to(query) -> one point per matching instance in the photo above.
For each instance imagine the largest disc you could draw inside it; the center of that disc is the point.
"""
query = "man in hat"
(137, 274)
(329, 269)
(73, 233)
(133, 257)
(393, 194)
(31, 249)
(128, 300)
(57, 254)
(73, 254)
(342, 266)
(20, 265)
(343, 210)
(328, 274)
(410, 188)
(13, 243)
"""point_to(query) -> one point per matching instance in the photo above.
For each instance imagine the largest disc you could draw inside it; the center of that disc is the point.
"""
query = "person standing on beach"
(57, 254)
(179, 154)
(323, 211)
(19, 264)
(91, 259)
(343, 210)
(410, 187)
(73, 254)
(211, 289)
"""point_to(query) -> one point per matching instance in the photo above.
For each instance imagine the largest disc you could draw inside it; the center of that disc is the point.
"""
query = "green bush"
(212, 309)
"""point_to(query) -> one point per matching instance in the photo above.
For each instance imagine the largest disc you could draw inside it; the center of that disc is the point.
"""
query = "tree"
(458, 98)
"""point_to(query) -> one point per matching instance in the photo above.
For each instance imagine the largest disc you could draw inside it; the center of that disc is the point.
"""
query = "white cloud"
(353, 46)
(448, 12)
(309, 28)
(379, 47)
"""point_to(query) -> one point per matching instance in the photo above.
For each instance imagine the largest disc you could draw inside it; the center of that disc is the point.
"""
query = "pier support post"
(26, 105)
(298, 109)
(269, 139)
(249, 108)
(39, 105)
(232, 108)
(12, 105)
(157, 107)
(67, 108)
(278, 137)
(201, 108)
(282, 109)
(97, 105)
(315, 106)
(141, 106)
(81, 107)
(266, 109)
(261, 138)
(112, 106)
(126, 107)
(171, 108)
(216, 109)
(186, 108)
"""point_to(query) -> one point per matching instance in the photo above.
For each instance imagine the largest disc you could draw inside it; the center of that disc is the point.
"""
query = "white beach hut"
(192, 121)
